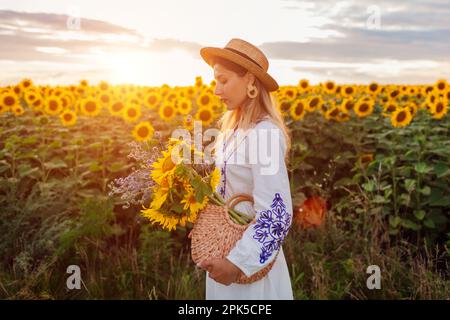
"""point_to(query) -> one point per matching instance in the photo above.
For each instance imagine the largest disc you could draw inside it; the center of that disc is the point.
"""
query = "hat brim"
(208, 53)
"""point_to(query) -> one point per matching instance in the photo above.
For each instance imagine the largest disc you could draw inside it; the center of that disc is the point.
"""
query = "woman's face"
(230, 87)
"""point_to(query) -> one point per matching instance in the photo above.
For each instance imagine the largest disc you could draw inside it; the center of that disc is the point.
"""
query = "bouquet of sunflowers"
(182, 189)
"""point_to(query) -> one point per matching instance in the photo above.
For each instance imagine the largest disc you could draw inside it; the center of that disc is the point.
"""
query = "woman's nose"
(217, 90)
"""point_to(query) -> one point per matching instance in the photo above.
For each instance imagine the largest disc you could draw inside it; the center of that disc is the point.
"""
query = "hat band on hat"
(243, 55)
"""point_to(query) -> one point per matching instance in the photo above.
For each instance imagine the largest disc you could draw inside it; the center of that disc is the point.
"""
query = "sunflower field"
(369, 171)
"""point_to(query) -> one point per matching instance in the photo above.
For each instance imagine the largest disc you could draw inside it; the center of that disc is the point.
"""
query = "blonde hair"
(253, 110)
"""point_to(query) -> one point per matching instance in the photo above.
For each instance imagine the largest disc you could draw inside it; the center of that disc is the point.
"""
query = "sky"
(155, 42)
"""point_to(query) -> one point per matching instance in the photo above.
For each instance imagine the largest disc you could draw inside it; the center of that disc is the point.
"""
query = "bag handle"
(237, 198)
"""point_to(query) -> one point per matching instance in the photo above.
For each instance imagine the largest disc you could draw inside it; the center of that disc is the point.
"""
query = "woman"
(243, 84)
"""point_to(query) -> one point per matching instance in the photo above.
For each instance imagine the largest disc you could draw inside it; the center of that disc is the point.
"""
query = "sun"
(146, 67)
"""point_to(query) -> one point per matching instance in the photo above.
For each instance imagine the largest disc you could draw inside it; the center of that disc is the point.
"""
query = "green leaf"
(425, 191)
(30, 140)
(441, 170)
(27, 171)
(410, 185)
(379, 199)
(429, 223)
(394, 221)
(423, 168)
(55, 164)
(408, 224)
(419, 214)
(369, 186)
(95, 167)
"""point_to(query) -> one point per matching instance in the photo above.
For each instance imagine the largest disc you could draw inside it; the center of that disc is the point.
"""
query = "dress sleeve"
(273, 208)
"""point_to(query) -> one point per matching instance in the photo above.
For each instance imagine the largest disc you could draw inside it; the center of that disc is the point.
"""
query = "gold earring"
(252, 91)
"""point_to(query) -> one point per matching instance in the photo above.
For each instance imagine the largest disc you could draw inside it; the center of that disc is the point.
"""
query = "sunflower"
(68, 118)
(116, 108)
(167, 111)
(25, 84)
(163, 167)
(347, 105)
(184, 106)
(105, 98)
(412, 108)
(198, 82)
(303, 85)
(373, 89)
(189, 92)
(342, 116)
(90, 107)
(104, 86)
(188, 123)
(347, 91)
(132, 112)
(168, 222)
(84, 84)
(53, 106)
(330, 87)
(440, 86)
(160, 193)
(364, 107)
(332, 113)
(191, 204)
(18, 110)
(314, 103)
(291, 93)
(439, 109)
(215, 178)
(143, 131)
(401, 117)
(9, 100)
(38, 104)
(152, 99)
(390, 106)
(205, 115)
(284, 106)
(298, 110)
(204, 99)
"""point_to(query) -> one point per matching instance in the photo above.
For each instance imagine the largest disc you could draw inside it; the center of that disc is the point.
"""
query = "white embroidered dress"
(268, 183)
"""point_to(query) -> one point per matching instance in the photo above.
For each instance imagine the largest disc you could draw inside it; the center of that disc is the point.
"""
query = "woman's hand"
(221, 270)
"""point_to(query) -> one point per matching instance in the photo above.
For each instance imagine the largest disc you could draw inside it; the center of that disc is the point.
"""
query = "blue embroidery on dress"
(272, 227)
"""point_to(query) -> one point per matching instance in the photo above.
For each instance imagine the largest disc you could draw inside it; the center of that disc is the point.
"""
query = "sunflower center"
(151, 100)
(401, 116)
(334, 113)
(205, 100)
(205, 115)
(143, 131)
(314, 102)
(373, 87)
(299, 109)
(391, 108)
(364, 107)
(9, 101)
(441, 86)
(67, 117)
(439, 107)
(167, 165)
(105, 98)
(348, 90)
(330, 85)
(117, 106)
(168, 111)
(90, 106)
(132, 112)
(53, 105)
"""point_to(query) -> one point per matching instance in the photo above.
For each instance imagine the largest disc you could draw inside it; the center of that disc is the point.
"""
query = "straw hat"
(246, 55)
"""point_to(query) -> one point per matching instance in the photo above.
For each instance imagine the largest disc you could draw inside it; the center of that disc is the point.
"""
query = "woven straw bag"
(214, 235)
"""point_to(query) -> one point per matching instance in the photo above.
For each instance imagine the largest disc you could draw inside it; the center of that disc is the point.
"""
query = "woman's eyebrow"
(219, 76)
